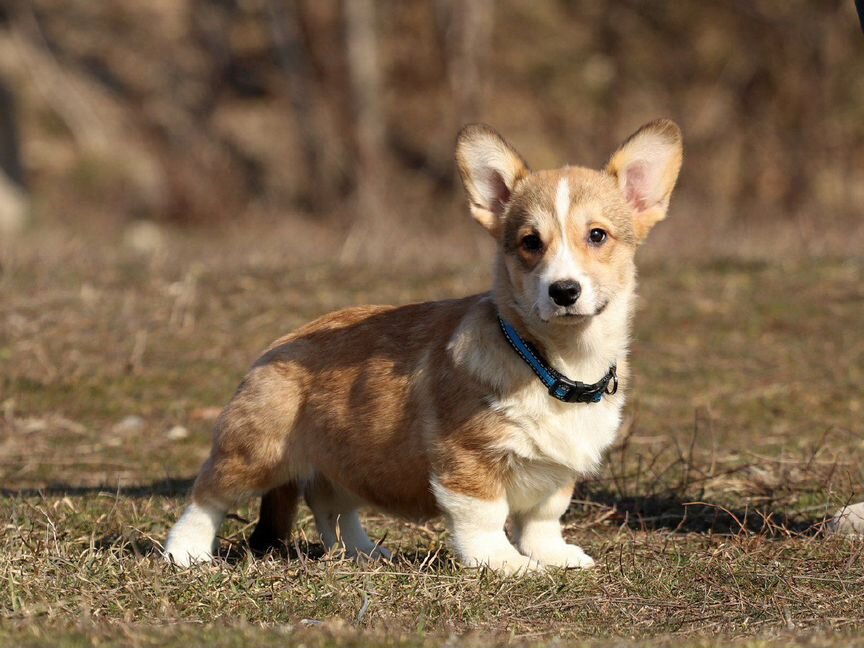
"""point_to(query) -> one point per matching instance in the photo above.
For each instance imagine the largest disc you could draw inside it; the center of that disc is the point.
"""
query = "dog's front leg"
(537, 533)
(477, 528)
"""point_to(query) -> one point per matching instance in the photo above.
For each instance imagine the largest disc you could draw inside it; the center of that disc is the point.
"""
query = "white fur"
(477, 527)
(537, 533)
(546, 433)
(562, 201)
(549, 443)
(554, 441)
(564, 266)
(192, 538)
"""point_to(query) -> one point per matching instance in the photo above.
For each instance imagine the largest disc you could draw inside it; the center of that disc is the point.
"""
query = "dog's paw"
(558, 554)
(193, 538)
(186, 556)
(566, 556)
(508, 565)
(381, 553)
(372, 552)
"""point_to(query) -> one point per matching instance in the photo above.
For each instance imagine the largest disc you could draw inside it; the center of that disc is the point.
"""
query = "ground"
(743, 433)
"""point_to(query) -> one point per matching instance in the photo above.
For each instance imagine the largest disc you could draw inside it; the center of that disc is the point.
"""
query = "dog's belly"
(381, 462)
(410, 499)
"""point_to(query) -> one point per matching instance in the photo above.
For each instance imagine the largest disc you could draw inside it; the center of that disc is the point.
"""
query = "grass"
(743, 433)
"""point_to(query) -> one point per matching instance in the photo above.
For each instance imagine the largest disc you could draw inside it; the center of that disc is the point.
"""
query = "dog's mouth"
(572, 316)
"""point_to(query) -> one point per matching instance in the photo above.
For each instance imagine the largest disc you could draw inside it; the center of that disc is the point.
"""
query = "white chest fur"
(548, 442)
(551, 442)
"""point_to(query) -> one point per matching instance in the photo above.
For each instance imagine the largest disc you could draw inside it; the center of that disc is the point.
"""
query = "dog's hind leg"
(192, 538)
(337, 520)
(225, 480)
(278, 511)
(254, 451)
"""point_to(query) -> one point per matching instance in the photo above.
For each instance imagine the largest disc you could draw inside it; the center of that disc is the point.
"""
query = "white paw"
(507, 564)
(565, 555)
(185, 556)
(191, 540)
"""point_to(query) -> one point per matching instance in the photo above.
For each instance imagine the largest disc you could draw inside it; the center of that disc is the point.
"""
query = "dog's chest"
(550, 442)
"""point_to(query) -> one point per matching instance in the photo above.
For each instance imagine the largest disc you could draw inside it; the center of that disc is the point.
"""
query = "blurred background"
(327, 127)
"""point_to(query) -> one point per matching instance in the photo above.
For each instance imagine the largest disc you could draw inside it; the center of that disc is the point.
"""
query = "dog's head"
(568, 237)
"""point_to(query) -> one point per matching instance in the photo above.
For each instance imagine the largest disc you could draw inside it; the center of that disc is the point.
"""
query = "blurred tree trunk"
(467, 42)
(365, 81)
(294, 58)
(13, 197)
(10, 152)
(364, 78)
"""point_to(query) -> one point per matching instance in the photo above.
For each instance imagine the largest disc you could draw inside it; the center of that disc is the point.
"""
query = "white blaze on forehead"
(564, 265)
(562, 211)
(562, 202)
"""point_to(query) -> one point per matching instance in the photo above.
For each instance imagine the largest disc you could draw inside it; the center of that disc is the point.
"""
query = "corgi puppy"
(479, 409)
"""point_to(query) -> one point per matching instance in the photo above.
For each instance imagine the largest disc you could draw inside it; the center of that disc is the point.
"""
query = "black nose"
(565, 293)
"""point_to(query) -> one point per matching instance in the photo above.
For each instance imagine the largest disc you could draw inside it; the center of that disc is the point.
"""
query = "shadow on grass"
(679, 515)
(165, 487)
(230, 550)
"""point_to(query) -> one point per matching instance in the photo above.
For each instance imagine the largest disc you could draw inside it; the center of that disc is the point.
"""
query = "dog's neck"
(595, 343)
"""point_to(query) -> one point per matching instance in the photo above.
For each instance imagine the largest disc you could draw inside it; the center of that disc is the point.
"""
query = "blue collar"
(559, 385)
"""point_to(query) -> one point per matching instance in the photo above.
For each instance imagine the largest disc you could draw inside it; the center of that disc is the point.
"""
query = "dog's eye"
(597, 236)
(532, 243)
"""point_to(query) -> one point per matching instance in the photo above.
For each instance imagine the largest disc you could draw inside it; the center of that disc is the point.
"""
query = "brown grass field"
(743, 434)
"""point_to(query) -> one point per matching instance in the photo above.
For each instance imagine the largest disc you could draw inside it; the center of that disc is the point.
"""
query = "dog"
(479, 409)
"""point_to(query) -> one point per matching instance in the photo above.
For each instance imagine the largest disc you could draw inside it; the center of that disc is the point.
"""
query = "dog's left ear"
(646, 167)
(490, 170)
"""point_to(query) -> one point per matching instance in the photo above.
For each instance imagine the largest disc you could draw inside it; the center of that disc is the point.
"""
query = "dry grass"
(744, 432)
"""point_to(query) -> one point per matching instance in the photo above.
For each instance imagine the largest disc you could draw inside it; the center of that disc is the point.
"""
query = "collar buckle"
(611, 379)
(573, 391)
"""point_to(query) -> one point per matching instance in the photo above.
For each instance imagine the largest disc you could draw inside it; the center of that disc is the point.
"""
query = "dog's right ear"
(490, 170)
(646, 168)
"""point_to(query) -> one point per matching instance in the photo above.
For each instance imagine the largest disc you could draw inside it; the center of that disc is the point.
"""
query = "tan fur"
(373, 404)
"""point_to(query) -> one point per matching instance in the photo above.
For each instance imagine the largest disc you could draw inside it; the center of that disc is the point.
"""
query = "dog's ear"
(490, 170)
(646, 167)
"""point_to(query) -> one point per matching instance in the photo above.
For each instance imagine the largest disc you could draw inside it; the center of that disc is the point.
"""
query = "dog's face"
(568, 236)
